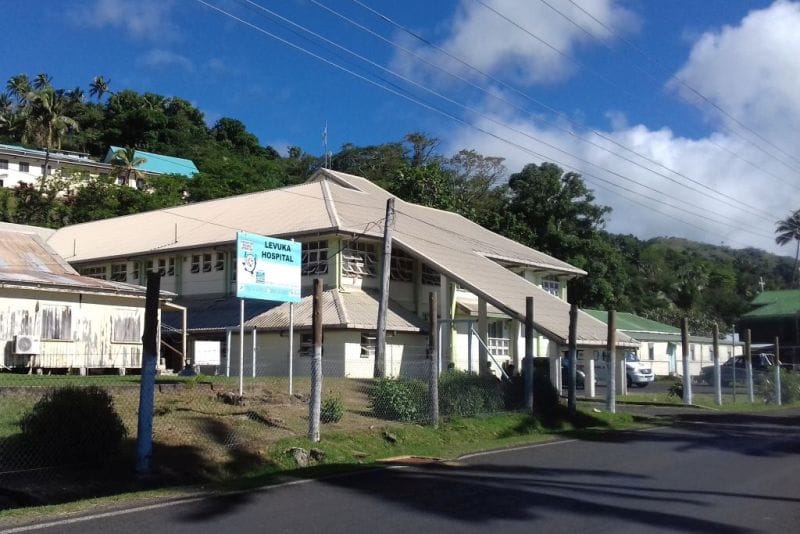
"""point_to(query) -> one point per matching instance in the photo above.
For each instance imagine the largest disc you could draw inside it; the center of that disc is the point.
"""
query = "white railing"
(499, 346)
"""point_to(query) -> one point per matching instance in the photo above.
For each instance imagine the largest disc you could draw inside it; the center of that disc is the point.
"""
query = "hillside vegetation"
(538, 205)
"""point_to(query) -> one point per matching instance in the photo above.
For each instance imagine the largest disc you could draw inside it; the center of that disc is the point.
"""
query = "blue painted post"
(144, 432)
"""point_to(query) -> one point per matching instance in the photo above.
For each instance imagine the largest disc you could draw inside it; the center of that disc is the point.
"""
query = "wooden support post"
(528, 362)
(573, 359)
(144, 431)
(433, 382)
(611, 374)
(717, 369)
(315, 404)
(383, 302)
(687, 375)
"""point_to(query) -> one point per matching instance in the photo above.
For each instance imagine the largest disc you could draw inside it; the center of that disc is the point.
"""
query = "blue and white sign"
(267, 268)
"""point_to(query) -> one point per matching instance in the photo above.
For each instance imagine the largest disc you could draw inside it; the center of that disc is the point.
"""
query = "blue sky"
(723, 162)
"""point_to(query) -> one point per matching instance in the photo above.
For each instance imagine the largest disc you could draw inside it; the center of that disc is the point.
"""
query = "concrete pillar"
(589, 388)
(555, 372)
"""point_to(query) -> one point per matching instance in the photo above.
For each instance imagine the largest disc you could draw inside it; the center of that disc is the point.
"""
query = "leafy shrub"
(545, 394)
(790, 386)
(675, 389)
(466, 395)
(74, 424)
(332, 410)
(398, 399)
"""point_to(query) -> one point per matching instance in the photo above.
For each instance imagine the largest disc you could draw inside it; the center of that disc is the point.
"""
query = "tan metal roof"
(337, 202)
(27, 261)
(44, 233)
(340, 309)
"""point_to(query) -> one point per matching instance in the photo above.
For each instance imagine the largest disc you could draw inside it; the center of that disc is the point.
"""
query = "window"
(430, 277)
(551, 286)
(126, 328)
(219, 265)
(24, 167)
(367, 345)
(207, 263)
(359, 260)
(651, 351)
(315, 257)
(119, 272)
(691, 351)
(166, 266)
(57, 323)
(135, 273)
(96, 271)
(162, 266)
(402, 267)
(233, 266)
(306, 345)
(195, 263)
(3, 164)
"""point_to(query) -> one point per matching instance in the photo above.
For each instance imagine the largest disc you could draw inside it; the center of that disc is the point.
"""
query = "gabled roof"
(27, 261)
(158, 163)
(355, 309)
(781, 303)
(631, 323)
(334, 202)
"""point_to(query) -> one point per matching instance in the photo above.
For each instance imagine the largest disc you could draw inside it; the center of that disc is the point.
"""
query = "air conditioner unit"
(24, 344)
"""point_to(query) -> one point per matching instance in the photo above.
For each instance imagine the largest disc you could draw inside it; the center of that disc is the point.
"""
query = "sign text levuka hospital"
(267, 268)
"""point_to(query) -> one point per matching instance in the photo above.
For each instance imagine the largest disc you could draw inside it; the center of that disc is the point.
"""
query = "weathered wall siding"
(90, 319)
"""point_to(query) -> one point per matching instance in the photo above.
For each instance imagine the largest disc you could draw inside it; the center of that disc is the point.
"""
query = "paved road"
(710, 473)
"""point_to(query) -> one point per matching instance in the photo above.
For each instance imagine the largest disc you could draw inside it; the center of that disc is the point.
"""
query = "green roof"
(629, 322)
(775, 304)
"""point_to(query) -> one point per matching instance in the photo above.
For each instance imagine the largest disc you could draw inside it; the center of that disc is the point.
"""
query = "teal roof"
(158, 163)
(629, 322)
(775, 304)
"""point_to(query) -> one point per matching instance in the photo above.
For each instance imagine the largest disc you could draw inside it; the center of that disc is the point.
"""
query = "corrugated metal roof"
(26, 260)
(44, 233)
(214, 313)
(337, 202)
(340, 309)
(158, 163)
(630, 322)
(775, 304)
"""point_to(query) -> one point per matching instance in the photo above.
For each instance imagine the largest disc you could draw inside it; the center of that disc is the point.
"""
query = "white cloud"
(161, 59)
(751, 70)
(482, 38)
(141, 19)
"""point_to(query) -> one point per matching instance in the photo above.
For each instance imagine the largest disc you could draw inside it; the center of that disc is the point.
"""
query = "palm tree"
(18, 87)
(125, 165)
(42, 80)
(99, 87)
(47, 123)
(788, 230)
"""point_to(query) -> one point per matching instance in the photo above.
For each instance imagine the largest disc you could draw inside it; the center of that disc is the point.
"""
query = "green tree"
(125, 167)
(99, 87)
(788, 230)
(47, 122)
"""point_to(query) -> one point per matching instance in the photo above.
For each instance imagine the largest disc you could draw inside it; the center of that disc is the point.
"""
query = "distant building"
(775, 314)
(27, 165)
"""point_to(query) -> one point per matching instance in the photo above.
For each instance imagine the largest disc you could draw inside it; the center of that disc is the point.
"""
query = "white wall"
(91, 344)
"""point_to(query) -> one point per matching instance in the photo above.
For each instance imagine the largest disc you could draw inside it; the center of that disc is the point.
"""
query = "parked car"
(638, 373)
(762, 364)
(580, 376)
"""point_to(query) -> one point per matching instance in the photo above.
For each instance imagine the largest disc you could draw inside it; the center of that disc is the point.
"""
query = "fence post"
(717, 371)
(687, 372)
(144, 430)
(611, 374)
(433, 386)
(316, 364)
(778, 393)
(749, 363)
(528, 363)
(573, 356)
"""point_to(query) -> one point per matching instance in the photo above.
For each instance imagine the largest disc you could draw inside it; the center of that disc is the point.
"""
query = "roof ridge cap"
(330, 206)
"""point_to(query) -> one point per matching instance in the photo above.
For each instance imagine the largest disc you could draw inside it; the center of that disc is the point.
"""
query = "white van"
(638, 373)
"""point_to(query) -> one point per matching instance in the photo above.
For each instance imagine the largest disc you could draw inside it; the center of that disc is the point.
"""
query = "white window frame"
(305, 348)
(26, 165)
(99, 272)
(219, 263)
(430, 277)
(195, 266)
(359, 259)
(368, 344)
(315, 257)
(552, 286)
(119, 272)
(207, 262)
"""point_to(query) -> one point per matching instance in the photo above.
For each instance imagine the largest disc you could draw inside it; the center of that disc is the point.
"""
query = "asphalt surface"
(709, 473)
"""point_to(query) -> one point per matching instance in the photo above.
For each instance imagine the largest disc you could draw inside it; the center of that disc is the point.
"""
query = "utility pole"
(528, 362)
(717, 376)
(433, 391)
(687, 373)
(316, 364)
(383, 302)
(573, 359)
(611, 372)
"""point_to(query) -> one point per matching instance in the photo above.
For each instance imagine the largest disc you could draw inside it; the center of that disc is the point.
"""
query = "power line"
(431, 107)
(739, 203)
(493, 120)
